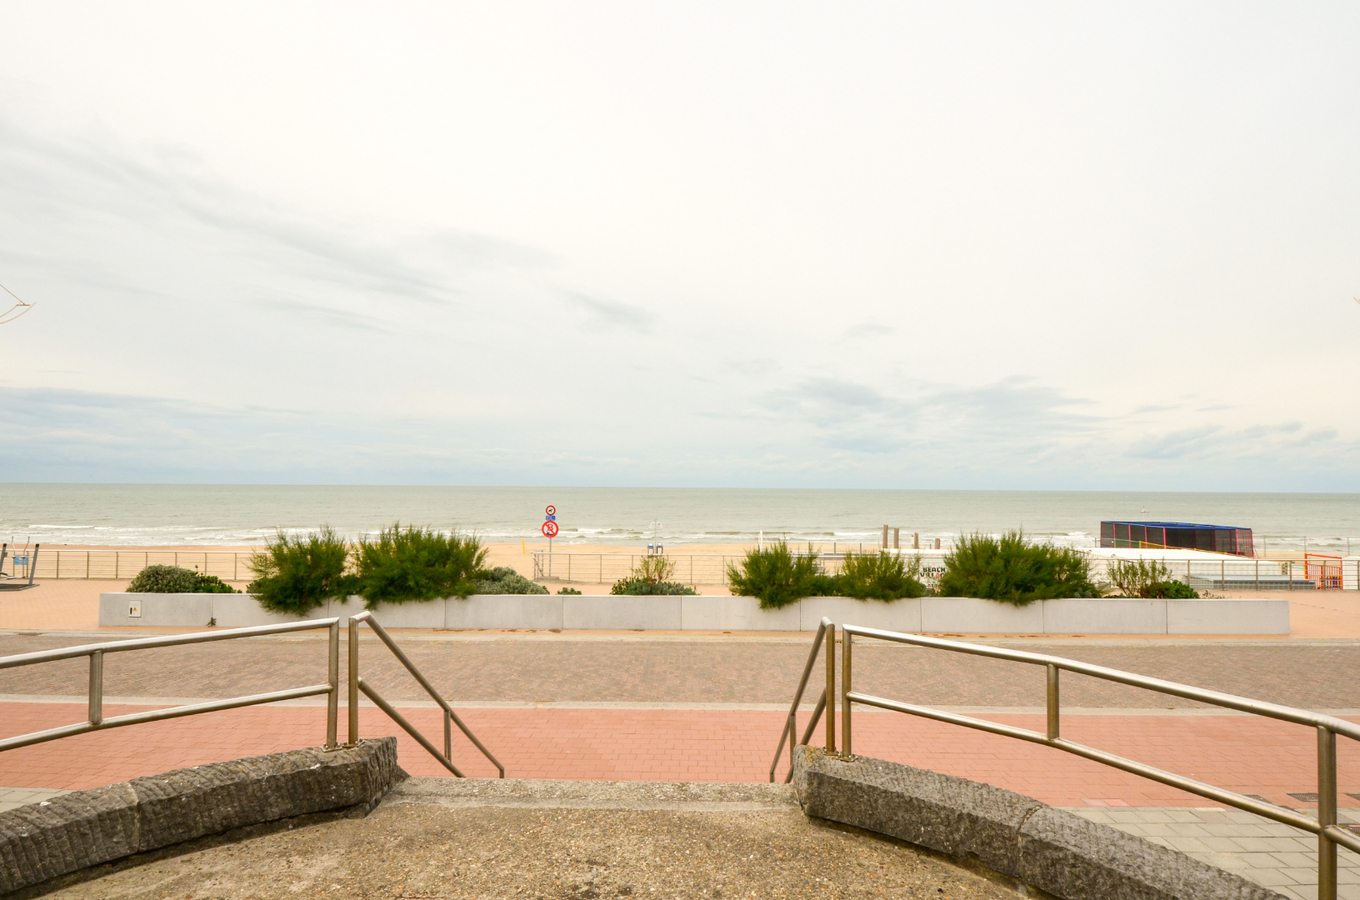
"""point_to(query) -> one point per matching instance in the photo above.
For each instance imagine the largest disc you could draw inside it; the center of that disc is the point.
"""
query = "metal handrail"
(790, 730)
(1325, 826)
(357, 684)
(95, 720)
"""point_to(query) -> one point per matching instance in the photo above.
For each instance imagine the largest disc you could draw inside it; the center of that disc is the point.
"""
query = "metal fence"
(1315, 571)
(606, 568)
(115, 565)
(1229, 573)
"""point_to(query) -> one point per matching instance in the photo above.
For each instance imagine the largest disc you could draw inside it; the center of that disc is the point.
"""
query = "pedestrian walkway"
(1245, 754)
(1268, 853)
(13, 798)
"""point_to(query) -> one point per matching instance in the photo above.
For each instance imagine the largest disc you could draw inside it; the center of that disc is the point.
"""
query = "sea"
(229, 515)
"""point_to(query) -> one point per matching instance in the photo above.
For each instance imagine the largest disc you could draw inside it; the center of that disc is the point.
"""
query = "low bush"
(1171, 589)
(567, 590)
(416, 563)
(505, 580)
(1146, 578)
(879, 576)
(175, 580)
(775, 576)
(650, 577)
(296, 574)
(1011, 570)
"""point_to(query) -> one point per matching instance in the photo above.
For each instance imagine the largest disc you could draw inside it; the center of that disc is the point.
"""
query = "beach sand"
(73, 603)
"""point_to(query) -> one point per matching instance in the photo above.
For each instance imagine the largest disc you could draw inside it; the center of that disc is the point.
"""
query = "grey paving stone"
(1188, 845)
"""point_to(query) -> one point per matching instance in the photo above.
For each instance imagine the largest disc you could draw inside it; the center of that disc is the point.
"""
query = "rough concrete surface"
(74, 831)
(441, 839)
(1072, 857)
(1046, 848)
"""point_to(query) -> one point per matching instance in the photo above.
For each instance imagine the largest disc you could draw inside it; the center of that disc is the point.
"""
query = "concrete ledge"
(1046, 848)
(946, 615)
(899, 615)
(541, 611)
(1108, 615)
(737, 614)
(660, 613)
(970, 615)
(74, 831)
(1227, 617)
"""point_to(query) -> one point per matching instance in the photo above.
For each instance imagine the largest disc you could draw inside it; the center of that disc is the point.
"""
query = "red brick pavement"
(1249, 755)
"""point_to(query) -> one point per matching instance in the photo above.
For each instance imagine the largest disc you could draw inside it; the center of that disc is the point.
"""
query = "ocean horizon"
(208, 515)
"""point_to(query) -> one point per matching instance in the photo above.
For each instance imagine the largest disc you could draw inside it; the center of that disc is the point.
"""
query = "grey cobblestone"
(1268, 853)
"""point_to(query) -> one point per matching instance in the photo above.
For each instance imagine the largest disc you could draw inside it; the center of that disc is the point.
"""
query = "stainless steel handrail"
(791, 724)
(95, 720)
(357, 684)
(1325, 826)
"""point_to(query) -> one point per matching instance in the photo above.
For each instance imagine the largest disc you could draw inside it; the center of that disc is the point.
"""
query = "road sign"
(550, 529)
(550, 511)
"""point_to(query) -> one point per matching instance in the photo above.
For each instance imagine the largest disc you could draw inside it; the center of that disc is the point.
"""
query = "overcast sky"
(953, 245)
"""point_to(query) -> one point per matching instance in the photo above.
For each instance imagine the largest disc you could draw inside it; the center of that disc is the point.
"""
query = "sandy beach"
(71, 601)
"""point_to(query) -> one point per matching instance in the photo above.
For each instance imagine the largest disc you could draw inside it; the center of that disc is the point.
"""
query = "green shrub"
(175, 580)
(416, 563)
(776, 576)
(296, 574)
(649, 577)
(1010, 570)
(1148, 579)
(1172, 589)
(567, 590)
(879, 576)
(505, 580)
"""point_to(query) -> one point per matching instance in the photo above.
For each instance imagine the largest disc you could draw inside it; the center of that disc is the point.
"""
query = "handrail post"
(1326, 812)
(846, 641)
(448, 735)
(333, 698)
(830, 688)
(97, 687)
(1053, 714)
(353, 708)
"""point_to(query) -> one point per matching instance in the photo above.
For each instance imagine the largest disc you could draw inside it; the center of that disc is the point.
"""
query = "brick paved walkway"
(1249, 755)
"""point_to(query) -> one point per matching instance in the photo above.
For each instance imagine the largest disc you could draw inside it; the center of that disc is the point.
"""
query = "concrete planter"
(930, 615)
(969, 615)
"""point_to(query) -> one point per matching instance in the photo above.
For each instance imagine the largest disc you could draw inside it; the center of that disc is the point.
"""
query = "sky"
(895, 245)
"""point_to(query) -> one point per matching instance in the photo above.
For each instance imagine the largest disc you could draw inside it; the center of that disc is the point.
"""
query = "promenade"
(709, 707)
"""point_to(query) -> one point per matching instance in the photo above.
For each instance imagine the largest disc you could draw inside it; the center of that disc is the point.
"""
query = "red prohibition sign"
(550, 529)
(551, 511)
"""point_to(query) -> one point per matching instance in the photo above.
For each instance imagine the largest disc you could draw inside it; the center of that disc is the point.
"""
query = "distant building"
(1180, 535)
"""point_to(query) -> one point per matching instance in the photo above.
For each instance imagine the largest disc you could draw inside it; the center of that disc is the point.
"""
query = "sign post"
(550, 531)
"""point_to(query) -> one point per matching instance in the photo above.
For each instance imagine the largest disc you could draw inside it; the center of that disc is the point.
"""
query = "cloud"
(868, 331)
(611, 313)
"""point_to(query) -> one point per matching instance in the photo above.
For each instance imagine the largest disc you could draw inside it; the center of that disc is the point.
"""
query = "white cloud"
(795, 245)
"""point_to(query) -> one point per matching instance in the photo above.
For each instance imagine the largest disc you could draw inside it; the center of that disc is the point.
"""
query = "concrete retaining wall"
(931, 615)
(74, 831)
(1018, 836)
